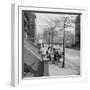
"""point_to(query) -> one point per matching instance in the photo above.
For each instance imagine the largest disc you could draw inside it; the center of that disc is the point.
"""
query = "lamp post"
(49, 38)
(66, 22)
(63, 64)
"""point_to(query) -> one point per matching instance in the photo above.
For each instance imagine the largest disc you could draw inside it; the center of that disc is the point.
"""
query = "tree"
(77, 21)
(62, 23)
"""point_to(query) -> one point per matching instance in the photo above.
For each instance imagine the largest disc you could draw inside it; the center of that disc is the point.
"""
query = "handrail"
(32, 50)
(33, 45)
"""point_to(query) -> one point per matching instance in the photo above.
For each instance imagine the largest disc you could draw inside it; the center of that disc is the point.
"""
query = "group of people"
(54, 54)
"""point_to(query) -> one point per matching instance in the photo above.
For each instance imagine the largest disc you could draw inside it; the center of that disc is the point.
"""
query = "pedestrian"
(52, 56)
(55, 55)
(49, 53)
(43, 51)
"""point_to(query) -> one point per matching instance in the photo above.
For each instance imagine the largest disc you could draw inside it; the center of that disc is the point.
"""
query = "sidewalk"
(72, 64)
(56, 71)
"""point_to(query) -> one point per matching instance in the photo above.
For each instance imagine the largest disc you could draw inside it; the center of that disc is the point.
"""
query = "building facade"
(77, 30)
(29, 25)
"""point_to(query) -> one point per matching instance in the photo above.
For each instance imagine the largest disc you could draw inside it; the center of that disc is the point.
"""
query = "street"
(46, 38)
(72, 63)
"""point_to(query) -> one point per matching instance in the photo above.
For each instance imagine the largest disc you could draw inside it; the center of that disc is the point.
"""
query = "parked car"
(67, 44)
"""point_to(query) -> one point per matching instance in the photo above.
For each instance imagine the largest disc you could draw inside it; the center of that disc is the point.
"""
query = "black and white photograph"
(50, 43)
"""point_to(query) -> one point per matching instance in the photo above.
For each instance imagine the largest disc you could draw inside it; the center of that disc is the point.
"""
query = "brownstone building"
(29, 25)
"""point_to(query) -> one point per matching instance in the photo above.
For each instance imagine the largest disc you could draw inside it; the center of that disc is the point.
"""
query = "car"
(67, 44)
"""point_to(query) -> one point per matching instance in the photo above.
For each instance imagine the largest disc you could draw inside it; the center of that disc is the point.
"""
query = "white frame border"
(16, 52)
